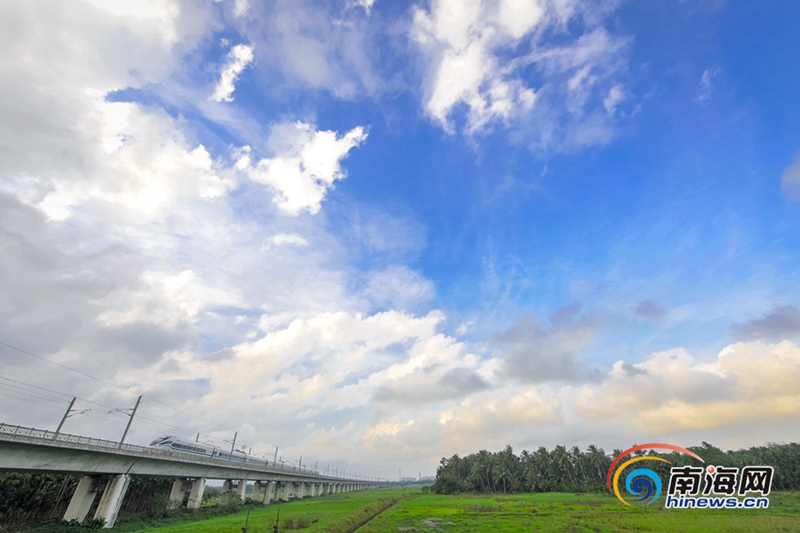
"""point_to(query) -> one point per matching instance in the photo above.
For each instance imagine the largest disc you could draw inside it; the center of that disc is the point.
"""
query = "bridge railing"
(22, 431)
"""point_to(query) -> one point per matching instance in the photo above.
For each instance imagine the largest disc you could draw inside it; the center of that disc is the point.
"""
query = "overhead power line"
(124, 389)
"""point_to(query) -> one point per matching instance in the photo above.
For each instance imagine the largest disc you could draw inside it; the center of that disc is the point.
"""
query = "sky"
(376, 233)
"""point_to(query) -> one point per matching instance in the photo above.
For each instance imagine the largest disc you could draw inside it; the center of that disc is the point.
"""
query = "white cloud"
(366, 5)
(398, 287)
(672, 392)
(615, 96)
(478, 57)
(282, 239)
(460, 40)
(124, 234)
(305, 165)
(707, 83)
(239, 57)
(790, 179)
(335, 49)
(240, 7)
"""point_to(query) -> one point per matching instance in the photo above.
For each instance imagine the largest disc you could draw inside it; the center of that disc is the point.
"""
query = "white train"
(197, 448)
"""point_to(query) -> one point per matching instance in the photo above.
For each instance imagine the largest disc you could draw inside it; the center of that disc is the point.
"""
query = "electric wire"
(112, 410)
(34, 386)
(28, 400)
(28, 394)
(115, 386)
(18, 387)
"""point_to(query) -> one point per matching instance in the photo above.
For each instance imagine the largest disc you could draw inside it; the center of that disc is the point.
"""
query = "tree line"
(30, 498)
(565, 469)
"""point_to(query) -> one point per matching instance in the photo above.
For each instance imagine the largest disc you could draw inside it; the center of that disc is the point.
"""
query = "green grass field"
(329, 513)
(574, 513)
(424, 512)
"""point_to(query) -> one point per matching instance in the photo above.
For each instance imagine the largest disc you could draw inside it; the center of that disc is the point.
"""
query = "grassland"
(414, 511)
(334, 513)
(590, 513)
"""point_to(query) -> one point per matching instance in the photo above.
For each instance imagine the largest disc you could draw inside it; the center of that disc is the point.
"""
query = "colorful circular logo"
(641, 483)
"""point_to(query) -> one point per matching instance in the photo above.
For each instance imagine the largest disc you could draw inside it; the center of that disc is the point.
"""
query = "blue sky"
(379, 232)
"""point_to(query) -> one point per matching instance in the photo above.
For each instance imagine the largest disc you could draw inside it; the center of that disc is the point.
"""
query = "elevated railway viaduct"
(106, 468)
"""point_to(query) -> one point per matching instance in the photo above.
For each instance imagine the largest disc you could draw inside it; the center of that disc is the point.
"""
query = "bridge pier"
(110, 502)
(238, 488)
(196, 494)
(267, 486)
(82, 499)
(271, 485)
(241, 488)
(108, 509)
(180, 487)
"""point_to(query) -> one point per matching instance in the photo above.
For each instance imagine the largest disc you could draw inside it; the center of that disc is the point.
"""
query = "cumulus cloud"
(315, 366)
(305, 165)
(672, 392)
(460, 41)
(790, 179)
(534, 352)
(115, 212)
(398, 287)
(782, 322)
(478, 57)
(427, 385)
(239, 57)
(331, 48)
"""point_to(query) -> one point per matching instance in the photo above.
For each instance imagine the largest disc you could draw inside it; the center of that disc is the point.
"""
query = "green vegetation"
(30, 499)
(559, 512)
(573, 470)
(406, 511)
(340, 513)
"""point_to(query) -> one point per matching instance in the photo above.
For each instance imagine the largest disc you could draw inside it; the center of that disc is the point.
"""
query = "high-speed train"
(197, 448)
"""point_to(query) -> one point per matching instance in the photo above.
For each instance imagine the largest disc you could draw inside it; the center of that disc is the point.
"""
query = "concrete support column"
(241, 488)
(82, 500)
(287, 490)
(227, 486)
(313, 490)
(109, 505)
(196, 494)
(302, 490)
(178, 493)
(268, 493)
(256, 491)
